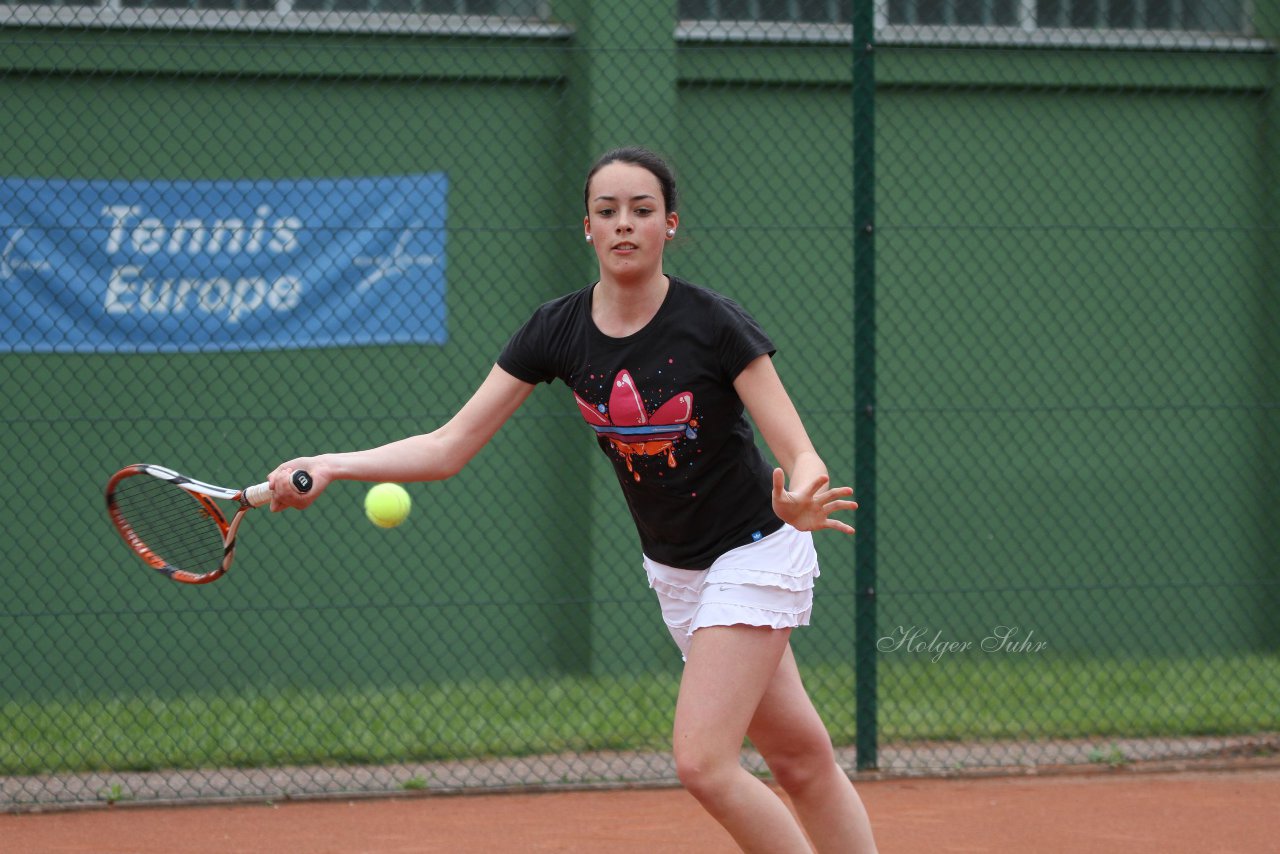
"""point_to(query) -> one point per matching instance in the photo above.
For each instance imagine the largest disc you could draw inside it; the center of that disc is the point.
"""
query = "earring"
(588, 238)
(671, 232)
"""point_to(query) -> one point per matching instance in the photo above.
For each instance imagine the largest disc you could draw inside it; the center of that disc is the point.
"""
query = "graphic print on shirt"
(632, 430)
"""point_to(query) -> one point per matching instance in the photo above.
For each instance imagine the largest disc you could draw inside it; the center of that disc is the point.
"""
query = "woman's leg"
(795, 744)
(728, 670)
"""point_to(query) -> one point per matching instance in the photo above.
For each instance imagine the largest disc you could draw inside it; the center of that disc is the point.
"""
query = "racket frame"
(207, 495)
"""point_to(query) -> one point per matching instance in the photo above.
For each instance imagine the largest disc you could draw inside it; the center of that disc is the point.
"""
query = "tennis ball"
(387, 505)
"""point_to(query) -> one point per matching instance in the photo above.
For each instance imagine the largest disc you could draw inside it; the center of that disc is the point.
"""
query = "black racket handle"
(301, 481)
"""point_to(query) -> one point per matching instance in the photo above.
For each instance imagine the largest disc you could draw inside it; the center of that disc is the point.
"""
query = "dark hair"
(643, 158)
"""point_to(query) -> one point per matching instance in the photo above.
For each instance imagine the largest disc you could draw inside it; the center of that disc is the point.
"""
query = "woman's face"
(627, 220)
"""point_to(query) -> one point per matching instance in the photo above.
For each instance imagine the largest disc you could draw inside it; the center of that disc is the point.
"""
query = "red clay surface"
(1195, 811)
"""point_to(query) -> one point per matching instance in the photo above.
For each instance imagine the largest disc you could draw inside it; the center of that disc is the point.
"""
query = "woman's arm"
(430, 456)
(810, 505)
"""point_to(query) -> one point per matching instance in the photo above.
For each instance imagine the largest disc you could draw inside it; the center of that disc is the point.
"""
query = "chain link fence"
(233, 233)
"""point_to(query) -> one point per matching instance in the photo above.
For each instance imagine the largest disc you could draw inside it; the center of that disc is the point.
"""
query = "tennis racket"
(176, 524)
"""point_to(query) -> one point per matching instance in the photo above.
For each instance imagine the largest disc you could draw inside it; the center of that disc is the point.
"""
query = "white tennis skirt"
(765, 583)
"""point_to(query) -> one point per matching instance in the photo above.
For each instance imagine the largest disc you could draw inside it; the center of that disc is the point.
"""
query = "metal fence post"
(864, 379)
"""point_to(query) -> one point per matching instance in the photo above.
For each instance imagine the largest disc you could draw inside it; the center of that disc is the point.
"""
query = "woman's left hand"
(810, 507)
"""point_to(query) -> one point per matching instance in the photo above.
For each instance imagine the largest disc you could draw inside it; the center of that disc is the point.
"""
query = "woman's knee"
(802, 763)
(704, 774)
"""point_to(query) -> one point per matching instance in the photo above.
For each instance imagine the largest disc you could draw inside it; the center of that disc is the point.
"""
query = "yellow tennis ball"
(387, 505)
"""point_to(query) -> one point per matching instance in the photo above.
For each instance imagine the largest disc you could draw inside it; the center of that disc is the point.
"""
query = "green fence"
(1019, 258)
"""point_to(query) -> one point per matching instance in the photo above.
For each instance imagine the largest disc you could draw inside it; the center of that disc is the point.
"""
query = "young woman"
(661, 370)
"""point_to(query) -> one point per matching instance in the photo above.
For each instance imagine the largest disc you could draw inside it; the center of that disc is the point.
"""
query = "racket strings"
(171, 522)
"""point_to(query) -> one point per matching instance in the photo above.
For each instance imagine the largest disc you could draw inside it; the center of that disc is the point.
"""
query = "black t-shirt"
(662, 406)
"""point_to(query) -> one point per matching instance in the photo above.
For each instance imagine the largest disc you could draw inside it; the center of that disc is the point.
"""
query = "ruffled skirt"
(765, 583)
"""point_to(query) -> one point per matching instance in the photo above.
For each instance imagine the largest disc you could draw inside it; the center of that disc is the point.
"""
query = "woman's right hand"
(284, 494)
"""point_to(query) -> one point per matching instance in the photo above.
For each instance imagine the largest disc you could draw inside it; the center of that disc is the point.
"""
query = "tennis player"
(661, 370)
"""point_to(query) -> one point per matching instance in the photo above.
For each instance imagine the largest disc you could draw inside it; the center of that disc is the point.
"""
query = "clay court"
(1201, 811)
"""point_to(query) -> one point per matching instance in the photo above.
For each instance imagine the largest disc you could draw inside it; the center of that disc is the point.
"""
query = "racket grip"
(260, 494)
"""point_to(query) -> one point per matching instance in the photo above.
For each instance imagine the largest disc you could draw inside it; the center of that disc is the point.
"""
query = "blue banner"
(197, 266)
